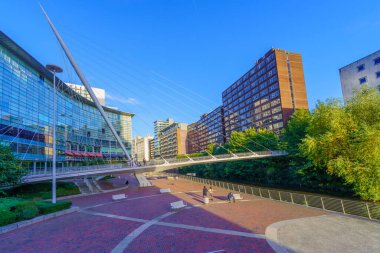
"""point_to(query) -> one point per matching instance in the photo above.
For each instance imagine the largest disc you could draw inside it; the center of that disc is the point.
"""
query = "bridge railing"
(357, 208)
(200, 158)
(77, 169)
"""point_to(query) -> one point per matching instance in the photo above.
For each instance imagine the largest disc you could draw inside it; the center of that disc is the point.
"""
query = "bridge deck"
(154, 165)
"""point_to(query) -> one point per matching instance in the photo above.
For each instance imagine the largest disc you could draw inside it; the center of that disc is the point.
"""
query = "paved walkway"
(327, 233)
(144, 223)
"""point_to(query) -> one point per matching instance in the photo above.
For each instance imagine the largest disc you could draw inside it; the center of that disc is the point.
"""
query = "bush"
(26, 210)
(47, 207)
(7, 217)
(43, 190)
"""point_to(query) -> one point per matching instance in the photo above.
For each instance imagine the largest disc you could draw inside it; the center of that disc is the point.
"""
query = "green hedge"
(43, 190)
(7, 217)
(47, 207)
(26, 210)
(16, 209)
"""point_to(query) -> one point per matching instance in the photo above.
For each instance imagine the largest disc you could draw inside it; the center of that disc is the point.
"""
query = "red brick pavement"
(144, 208)
(79, 232)
(173, 240)
(132, 191)
(254, 215)
(75, 232)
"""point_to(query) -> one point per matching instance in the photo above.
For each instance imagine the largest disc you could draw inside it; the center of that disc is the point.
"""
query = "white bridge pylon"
(151, 166)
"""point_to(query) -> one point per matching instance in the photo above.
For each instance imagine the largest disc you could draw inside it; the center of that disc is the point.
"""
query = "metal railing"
(156, 162)
(358, 208)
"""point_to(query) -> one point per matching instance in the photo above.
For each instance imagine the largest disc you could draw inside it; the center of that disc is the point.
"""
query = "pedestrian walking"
(205, 191)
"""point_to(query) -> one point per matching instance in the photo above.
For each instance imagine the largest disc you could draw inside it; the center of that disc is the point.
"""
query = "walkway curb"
(21, 224)
(271, 234)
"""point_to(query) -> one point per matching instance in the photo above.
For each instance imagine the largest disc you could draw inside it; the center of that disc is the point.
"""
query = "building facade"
(193, 138)
(159, 125)
(209, 129)
(267, 95)
(81, 90)
(140, 148)
(173, 140)
(26, 115)
(151, 149)
(365, 71)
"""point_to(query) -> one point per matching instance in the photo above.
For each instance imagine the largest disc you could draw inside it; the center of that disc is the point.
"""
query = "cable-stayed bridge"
(59, 172)
(151, 166)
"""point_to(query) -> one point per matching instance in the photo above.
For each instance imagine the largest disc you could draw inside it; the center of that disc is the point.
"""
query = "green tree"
(346, 141)
(10, 170)
(296, 129)
(261, 140)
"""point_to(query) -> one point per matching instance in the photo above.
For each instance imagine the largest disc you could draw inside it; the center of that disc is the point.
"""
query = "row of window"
(363, 80)
(362, 66)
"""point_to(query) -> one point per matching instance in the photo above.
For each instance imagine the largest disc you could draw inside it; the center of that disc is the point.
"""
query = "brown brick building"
(173, 140)
(267, 94)
(207, 130)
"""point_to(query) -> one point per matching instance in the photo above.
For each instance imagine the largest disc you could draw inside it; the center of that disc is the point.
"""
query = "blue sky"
(162, 59)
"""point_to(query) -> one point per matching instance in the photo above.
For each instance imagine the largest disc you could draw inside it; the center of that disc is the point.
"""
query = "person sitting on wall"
(230, 197)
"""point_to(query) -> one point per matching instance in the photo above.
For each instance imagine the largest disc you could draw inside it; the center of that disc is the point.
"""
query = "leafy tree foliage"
(10, 170)
(346, 141)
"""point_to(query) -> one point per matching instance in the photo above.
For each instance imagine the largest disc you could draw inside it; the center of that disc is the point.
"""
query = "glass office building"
(26, 115)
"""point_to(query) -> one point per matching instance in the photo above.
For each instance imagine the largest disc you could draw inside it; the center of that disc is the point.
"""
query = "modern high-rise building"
(159, 125)
(365, 71)
(141, 148)
(193, 138)
(81, 90)
(267, 95)
(151, 149)
(173, 140)
(26, 115)
(209, 129)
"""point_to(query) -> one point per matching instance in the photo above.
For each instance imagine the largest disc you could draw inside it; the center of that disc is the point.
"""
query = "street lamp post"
(55, 69)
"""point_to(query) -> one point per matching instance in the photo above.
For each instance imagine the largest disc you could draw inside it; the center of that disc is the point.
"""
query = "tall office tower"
(209, 129)
(192, 138)
(151, 149)
(81, 90)
(365, 71)
(140, 148)
(158, 126)
(267, 95)
(173, 140)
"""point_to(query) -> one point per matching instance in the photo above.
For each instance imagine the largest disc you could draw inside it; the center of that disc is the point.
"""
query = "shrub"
(47, 207)
(26, 210)
(7, 217)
